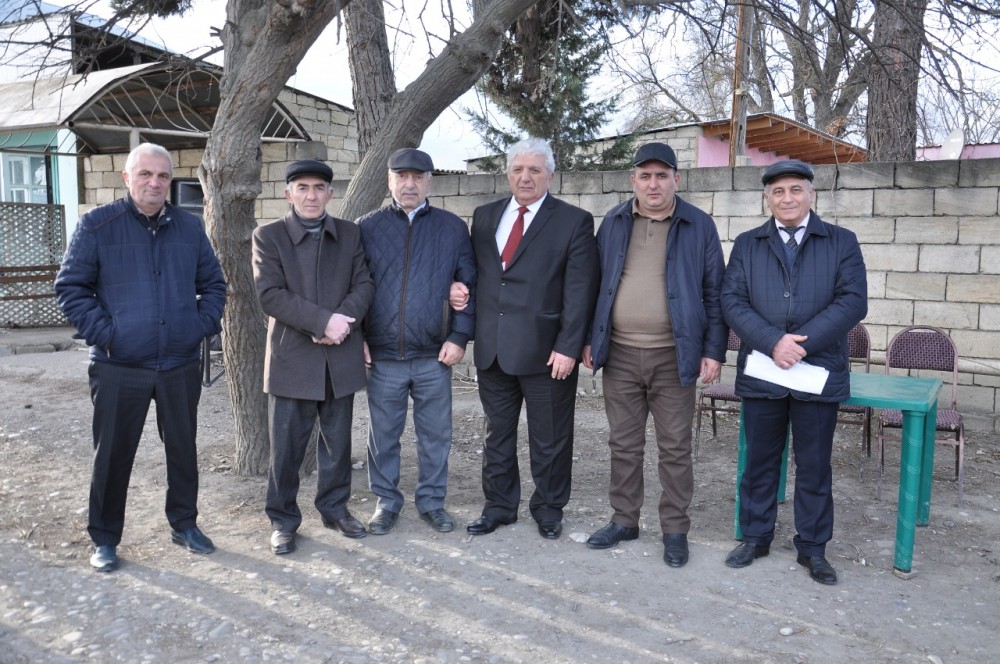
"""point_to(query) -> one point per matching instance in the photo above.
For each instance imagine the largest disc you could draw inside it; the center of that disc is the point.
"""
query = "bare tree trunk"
(264, 42)
(374, 84)
(895, 69)
(445, 79)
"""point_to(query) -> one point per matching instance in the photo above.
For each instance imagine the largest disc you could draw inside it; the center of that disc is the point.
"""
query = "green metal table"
(917, 399)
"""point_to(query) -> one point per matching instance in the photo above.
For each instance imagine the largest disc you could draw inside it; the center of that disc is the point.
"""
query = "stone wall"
(930, 233)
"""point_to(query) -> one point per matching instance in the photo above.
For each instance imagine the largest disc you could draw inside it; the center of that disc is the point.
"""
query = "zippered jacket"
(822, 295)
(413, 266)
(694, 277)
(141, 296)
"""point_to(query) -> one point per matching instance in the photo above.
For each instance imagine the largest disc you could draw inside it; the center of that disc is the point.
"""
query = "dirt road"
(418, 596)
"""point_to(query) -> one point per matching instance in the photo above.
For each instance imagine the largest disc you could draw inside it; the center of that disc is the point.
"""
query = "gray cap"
(660, 152)
(297, 169)
(794, 167)
(410, 159)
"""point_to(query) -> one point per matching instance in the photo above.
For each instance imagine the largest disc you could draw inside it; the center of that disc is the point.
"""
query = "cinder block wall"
(930, 233)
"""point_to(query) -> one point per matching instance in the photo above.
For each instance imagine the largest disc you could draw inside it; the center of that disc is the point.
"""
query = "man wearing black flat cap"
(415, 253)
(793, 290)
(657, 330)
(313, 284)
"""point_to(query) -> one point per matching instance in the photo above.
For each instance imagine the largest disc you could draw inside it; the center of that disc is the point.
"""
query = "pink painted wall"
(715, 152)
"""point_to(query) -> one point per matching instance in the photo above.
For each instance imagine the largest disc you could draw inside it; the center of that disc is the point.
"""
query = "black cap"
(799, 169)
(297, 169)
(656, 152)
(410, 159)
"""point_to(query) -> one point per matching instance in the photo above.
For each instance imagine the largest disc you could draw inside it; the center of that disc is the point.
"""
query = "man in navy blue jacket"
(143, 288)
(415, 253)
(793, 290)
(657, 329)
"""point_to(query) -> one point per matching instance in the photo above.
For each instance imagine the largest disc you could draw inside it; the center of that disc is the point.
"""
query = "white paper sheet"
(802, 376)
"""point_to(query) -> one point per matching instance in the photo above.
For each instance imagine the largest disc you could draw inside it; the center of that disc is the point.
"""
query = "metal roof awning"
(173, 105)
(768, 132)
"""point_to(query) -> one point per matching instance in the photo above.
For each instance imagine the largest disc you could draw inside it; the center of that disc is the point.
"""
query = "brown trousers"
(638, 382)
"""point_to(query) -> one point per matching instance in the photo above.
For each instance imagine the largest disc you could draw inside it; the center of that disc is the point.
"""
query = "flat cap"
(297, 169)
(656, 152)
(794, 167)
(410, 159)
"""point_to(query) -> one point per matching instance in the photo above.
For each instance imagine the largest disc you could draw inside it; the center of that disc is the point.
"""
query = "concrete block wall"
(930, 233)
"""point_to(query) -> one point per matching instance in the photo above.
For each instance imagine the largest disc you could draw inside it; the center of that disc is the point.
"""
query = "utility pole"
(741, 72)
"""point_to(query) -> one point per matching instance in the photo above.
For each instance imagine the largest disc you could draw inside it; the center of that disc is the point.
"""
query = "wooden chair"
(860, 352)
(710, 394)
(921, 347)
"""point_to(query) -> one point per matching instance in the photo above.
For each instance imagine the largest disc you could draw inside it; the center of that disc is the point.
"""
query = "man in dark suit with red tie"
(538, 276)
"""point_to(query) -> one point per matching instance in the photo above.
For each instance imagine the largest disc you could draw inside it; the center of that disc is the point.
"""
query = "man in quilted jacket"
(793, 289)
(413, 336)
(143, 287)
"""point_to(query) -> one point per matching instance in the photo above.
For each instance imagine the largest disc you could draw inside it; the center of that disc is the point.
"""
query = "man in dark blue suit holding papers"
(793, 289)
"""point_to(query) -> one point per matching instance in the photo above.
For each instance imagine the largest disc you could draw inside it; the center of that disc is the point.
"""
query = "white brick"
(979, 230)
(890, 312)
(946, 314)
(844, 203)
(973, 288)
(870, 230)
(967, 201)
(950, 259)
(891, 258)
(989, 317)
(927, 230)
(736, 203)
(904, 202)
(915, 286)
(989, 261)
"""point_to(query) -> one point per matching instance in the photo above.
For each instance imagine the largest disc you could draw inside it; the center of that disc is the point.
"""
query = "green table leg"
(741, 463)
(911, 461)
(784, 469)
(927, 467)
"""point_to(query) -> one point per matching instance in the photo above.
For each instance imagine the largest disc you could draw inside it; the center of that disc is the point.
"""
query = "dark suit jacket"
(545, 298)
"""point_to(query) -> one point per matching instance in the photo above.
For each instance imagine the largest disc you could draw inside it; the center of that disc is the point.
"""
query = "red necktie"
(514, 238)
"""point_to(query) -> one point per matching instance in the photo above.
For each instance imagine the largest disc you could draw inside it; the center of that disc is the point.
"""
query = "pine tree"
(539, 81)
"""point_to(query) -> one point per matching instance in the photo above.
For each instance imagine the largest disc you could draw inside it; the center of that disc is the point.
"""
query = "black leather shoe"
(382, 521)
(440, 520)
(745, 554)
(348, 526)
(550, 529)
(819, 569)
(104, 559)
(193, 539)
(611, 534)
(282, 542)
(675, 549)
(485, 525)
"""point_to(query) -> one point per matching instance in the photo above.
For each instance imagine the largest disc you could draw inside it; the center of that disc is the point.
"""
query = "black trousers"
(550, 409)
(291, 423)
(766, 424)
(121, 397)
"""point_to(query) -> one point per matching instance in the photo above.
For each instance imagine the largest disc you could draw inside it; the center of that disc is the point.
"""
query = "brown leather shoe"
(348, 526)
